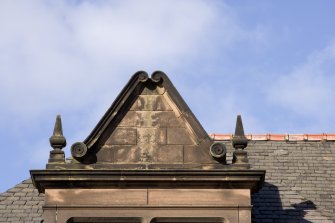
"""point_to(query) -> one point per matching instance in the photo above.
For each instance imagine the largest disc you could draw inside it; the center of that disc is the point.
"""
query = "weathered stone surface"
(166, 119)
(106, 154)
(179, 136)
(157, 119)
(149, 136)
(148, 112)
(96, 196)
(150, 103)
(126, 154)
(193, 155)
(123, 136)
(131, 119)
(169, 154)
(198, 197)
(150, 119)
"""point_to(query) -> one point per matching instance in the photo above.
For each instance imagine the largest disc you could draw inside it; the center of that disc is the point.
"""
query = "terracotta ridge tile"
(278, 137)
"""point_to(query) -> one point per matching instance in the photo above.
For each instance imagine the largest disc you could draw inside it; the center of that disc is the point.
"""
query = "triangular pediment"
(149, 122)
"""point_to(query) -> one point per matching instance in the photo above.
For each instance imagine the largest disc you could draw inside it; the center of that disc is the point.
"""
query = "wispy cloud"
(308, 89)
(53, 52)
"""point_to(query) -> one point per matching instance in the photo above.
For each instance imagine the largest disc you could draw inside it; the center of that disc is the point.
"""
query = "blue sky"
(273, 62)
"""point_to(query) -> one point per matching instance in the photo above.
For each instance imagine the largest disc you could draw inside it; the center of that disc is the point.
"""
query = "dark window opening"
(187, 220)
(104, 220)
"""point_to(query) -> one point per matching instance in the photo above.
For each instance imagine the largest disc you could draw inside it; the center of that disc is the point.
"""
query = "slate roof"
(21, 203)
(300, 181)
(299, 185)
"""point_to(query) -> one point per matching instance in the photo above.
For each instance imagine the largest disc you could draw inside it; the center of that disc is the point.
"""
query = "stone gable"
(149, 123)
(151, 131)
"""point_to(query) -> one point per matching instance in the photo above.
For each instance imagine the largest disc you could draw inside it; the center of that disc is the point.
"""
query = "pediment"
(149, 122)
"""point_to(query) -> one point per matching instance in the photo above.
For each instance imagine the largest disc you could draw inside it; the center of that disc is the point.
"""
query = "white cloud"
(140, 33)
(56, 55)
(308, 90)
(67, 56)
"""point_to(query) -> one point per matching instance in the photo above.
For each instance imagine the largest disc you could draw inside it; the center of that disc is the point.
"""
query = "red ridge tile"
(296, 137)
(330, 137)
(222, 136)
(259, 137)
(315, 137)
(278, 137)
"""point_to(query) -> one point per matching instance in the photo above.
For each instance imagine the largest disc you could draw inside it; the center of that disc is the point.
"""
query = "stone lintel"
(147, 197)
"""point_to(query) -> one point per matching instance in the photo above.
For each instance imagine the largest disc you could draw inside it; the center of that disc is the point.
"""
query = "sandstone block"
(122, 136)
(179, 136)
(105, 154)
(158, 119)
(131, 119)
(169, 154)
(126, 154)
(192, 154)
(147, 136)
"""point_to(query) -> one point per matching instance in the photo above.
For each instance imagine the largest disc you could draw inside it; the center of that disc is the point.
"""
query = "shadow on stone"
(268, 207)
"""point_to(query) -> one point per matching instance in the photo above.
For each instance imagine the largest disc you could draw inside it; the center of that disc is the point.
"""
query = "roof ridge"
(278, 137)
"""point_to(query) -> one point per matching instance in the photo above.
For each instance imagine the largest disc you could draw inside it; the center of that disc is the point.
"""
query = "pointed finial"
(57, 142)
(239, 131)
(239, 139)
(58, 131)
(240, 156)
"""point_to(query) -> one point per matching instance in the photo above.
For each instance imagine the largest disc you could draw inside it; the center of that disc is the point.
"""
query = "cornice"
(228, 179)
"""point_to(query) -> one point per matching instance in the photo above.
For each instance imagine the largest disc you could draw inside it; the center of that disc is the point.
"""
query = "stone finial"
(239, 142)
(57, 142)
(239, 139)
